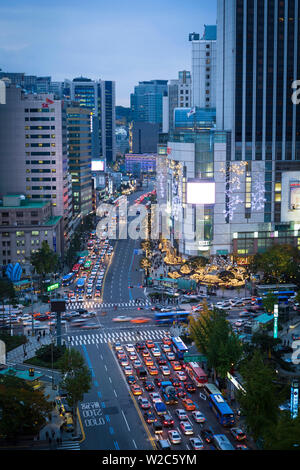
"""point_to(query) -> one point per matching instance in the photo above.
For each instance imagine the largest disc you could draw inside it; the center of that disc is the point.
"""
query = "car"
(176, 382)
(157, 381)
(161, 361)
(150, 417)
(144, 403)
(157, 427)
(195, 443)
(137, 363)
(148, 361)
(140, 346)
(130, 348)
(132, 356)
(186, 427)
(149, 344)
(121, 318)
(181, 414)
(166, 309)
(155, 397)
(188, 404)
(238, 434)
(156, 352)
(124, 362)
(136, 389)
(167, 340)
(166, 348)
(180, 392)
(174, 437)
(207, 435)
(152, 370)
(165, 370)
(167, 420)
(190, 387)
(140, 320)
(198, 416)
(181, 375)
(131, 379)
(149, 386)
(170, 356)
(241, 447)
(176, 365)
(128, 370)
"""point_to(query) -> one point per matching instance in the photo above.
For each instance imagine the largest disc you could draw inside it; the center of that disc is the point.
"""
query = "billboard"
(294, 195)
(97, 165)
(200, 192)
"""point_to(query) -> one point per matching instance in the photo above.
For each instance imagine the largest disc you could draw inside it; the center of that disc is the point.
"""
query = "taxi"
(152, 370)
(136, 389)
(148, 361)
(176, 365)
(188, 404)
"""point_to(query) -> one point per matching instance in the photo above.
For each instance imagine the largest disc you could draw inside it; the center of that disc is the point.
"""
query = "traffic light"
(31, 372)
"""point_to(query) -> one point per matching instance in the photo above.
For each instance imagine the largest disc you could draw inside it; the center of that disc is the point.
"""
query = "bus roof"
(218, 400)
(67, 276)
(179, 343)
(212, 389)
(170, 314)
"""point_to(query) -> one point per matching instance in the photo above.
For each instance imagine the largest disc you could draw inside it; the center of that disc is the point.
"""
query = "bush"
(46, 353)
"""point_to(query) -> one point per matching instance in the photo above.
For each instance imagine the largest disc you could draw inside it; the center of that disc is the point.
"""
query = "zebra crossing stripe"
(71, 445)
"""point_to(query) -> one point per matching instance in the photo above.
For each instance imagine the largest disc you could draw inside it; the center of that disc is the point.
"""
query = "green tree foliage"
(7, 291)
(76, 378)
(260, 403)
(269, 301)
(44, 260)
(283, 435)
(24, 410)
(280, 264)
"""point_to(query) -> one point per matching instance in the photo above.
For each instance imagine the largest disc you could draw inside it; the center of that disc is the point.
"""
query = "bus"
(221, 409)
(282, 296)
(68, 279)
(80, 284)
(196, 373)
(211, 389)
(179, 347)
(222, 442)
(163, 318)
(76, 268)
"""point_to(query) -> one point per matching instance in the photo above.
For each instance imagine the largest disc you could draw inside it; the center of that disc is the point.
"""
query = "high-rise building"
(204, 57)
(179, 95)
(79, 155)
(258, 58)
(33, 151)
(143, 137)
(146, 101)
(99, 96)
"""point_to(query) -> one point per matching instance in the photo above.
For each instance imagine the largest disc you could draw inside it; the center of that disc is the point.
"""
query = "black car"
(131, 379)
(167, 420)
(150, 417)
(189, 387)
(161, 361)
(140, 346)
(157, 381)
(149, 386)
(207, 435)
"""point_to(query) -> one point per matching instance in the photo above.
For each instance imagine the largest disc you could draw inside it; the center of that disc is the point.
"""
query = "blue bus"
(179, 347)
(68, 279)
(164, 318)
(282, 296)
(221, 409)
(79, 288)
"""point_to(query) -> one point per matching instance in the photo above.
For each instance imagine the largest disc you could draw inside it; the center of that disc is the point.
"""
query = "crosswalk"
(93, 304)
(68, 445)
(123, 336)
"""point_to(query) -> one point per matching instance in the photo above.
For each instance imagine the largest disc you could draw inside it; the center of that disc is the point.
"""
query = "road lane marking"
(125, 420)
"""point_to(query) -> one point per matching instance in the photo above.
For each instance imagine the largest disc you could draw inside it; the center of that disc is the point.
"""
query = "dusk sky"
(126, 41)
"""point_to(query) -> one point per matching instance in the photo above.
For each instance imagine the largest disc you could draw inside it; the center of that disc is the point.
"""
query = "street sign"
(53, 287)
(194, 358)
(275, 329)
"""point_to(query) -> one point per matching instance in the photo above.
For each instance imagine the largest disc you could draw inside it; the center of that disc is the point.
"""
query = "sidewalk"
(18, 355)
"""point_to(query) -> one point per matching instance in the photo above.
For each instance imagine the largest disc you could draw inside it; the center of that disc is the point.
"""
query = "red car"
(149, 344)
(167, 340)
(176, 365)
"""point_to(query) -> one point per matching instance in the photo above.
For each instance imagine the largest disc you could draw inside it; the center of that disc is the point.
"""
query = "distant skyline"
(125, 41)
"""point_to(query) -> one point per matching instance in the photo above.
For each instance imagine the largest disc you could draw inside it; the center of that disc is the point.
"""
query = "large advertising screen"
(201, 192)
(97, 165)
(294, 195)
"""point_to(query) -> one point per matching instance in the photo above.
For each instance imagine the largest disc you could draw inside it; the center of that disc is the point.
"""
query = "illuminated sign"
(294, 399)
(97, 165)
(294, 195)
(275, 332)
(200, 192)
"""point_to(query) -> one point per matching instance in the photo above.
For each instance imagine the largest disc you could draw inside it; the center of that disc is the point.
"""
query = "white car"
(186, 427)
(80, 298)
(174, 437)
(198, 417)
(195, 443)
(181, 414)
(130, 348)
(128, 370)
(155, 397)
(156, 352)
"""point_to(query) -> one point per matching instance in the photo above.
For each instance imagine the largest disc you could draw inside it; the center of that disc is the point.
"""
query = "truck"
(169, 393)
(160, 408)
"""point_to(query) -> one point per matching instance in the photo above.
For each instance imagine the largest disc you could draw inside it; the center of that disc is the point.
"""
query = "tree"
(260, 403)
(76, 379)
(200, 328)
(284, 435)
(7, 292)
(44, 260)
(280, 263)
(24, 410)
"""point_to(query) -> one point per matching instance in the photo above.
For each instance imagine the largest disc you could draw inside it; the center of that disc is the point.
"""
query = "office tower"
(146, 101)
(204, 57)
(179, 95)
(99, 96)
(143, 137)
(79, 155)
(30, 83)
(33, 151)
(258, 60)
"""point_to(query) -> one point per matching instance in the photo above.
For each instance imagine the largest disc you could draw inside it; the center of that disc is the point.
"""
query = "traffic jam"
(167, 392)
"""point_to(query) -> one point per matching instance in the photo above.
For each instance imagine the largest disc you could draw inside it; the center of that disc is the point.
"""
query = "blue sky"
(126, 41)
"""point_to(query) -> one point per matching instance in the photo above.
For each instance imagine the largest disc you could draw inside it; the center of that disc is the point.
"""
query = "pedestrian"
(38, 338)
